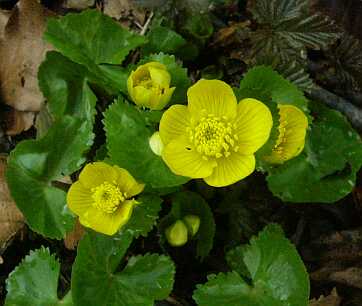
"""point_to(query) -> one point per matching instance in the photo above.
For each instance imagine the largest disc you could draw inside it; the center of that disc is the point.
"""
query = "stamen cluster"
(214, 137)
(107, 197)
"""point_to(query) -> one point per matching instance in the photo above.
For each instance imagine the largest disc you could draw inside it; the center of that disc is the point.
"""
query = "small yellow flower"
(103, 197)
(292, 130)
(149, 86)
(214, 137)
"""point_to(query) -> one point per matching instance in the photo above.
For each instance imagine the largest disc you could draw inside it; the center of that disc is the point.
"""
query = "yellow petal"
(127, 183)
(183, 160)
(231, 169)
(95, 174)
(292, 131)
(79, 198)
(252, 125)
(174, 122)
(211, 97)
(141, 96)
(106, 223)
(159, 101)
(160, 77)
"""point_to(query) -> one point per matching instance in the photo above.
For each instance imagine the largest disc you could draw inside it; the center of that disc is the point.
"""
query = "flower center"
(214, 137)
(107, 197)
(279, 148)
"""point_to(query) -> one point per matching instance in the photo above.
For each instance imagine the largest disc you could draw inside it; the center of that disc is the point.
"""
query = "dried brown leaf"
(71, 239)
(120, 9)
(332, 299)
(18, 121)
(11, 219)
(79, 4)
(4, 17)
(21, 51)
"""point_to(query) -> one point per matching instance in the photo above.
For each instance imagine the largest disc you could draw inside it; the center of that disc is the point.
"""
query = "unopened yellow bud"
(176, 234)
(149, 86)
(193, 224)
(156, 144)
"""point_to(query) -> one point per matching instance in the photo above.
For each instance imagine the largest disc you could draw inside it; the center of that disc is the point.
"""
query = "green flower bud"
(149, 86)
(156, 143)
(176, 234)
(193, 224)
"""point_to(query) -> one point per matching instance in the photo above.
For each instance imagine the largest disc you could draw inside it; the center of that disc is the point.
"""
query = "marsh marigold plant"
(149, 86)
(103, 197)
(292, 131)
(214, 137)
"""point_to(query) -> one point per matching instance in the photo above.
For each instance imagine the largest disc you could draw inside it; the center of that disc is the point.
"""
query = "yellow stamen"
(107, 197)
(213, 137)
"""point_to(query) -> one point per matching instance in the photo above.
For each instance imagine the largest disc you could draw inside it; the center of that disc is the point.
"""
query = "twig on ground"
(353, 113)
(146, 25)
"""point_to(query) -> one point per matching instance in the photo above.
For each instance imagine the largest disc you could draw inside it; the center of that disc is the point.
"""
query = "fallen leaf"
(4, 16)
(22, 49)
(18, 121)
(71, 239)
(11, 219)
(332, 299)
(79, 4)
(120, 9)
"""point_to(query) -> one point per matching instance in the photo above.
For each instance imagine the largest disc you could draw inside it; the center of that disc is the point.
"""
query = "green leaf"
(287, 27)
(96, 280)
(35, 164)
(163, 39)
(144, 215)
(278, 276)
(326, 171)
(98, 43)
(35, 281)
(179, 77)
(91, 38)
(65, 86)
(190, 203)
(128, 137)
(263, 82)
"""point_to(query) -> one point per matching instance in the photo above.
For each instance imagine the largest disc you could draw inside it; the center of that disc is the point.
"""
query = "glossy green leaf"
(35, 282)
(90, 38)
(190, 203)
(65, 86)
(278, 276)
(96, 280)
(162, 39)
(179, 77)
(128, 137)
(326, 170)
(33, 167)
(144, 215)
(263, 83)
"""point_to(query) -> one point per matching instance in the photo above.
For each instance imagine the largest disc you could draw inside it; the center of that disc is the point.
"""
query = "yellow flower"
(292, 130)
(149, 86)
(103, 197)
(214, 137)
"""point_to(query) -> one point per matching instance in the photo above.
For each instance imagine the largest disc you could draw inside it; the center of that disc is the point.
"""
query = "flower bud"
(149, 86)
(176, 234)
(193, 224)
(156, 144)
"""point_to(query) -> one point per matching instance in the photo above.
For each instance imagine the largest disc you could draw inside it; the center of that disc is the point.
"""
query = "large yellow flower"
(214, 137)
(292, 130)
(103, 197)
